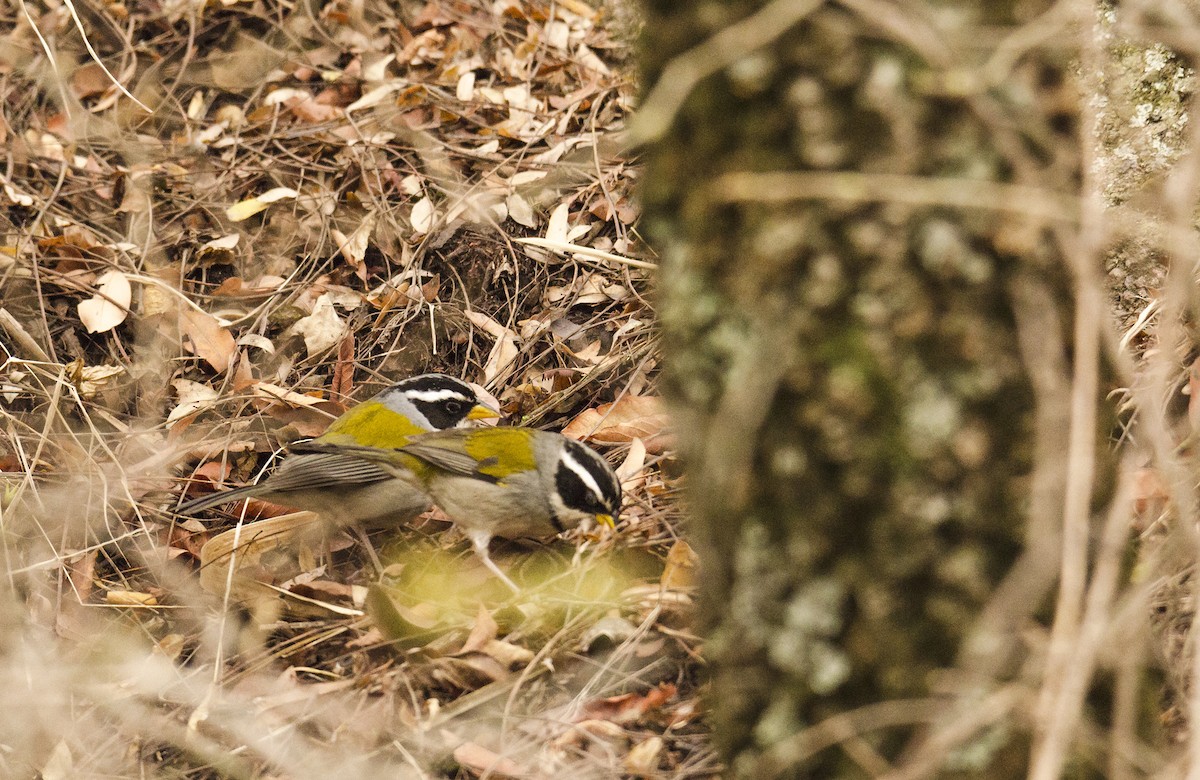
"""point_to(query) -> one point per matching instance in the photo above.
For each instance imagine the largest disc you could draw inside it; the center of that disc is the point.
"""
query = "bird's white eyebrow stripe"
(430, 396)
(584, 475)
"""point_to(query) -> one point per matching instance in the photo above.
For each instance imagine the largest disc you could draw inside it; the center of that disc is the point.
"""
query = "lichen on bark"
(854, 406)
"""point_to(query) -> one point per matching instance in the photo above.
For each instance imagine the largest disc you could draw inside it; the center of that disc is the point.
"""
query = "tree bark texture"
(867, 320)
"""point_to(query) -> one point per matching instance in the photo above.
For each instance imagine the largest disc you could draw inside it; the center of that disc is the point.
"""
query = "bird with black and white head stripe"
(506, 482)
(350, 491)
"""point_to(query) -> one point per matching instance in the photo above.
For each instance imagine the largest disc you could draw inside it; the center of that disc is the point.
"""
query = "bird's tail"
(220, 497)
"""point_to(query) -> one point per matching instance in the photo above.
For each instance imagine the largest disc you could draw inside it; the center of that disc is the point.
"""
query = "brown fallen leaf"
(484, 630)
(89, 80)
(628, 707)
(342, 385)
(634, 416)
(478, 760)
(211, 342)
(214, 472)
(680, 571)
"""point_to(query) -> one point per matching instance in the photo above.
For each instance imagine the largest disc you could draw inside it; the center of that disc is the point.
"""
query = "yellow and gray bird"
(506, 482)
(351, 491)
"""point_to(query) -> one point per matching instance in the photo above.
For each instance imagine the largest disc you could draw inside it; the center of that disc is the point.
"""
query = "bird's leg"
(365, 541)
(480, 541)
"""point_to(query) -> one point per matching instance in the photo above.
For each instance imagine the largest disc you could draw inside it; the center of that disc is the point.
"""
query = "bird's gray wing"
(306, 471)
(309, 471)
(451, 460)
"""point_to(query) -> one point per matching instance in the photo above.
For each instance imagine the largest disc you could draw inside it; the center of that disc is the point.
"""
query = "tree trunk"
(867, 309)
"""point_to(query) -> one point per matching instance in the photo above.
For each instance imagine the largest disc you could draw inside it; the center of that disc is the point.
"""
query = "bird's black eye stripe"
(580, 474)
(444, 412)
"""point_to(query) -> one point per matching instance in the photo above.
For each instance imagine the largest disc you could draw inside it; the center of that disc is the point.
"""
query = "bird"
(350, 491)
(508, 482)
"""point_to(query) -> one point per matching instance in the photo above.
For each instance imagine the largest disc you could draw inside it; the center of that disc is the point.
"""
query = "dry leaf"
(556, 228)
(256, 340)
(322, 329)
(504, 351)
(520, 211)
(376, 95)
(278, 97)
(630, 470)
(507, 654)
(634, 416)
(109, 307)
(130, 598)
(482, 761)
(211, 342)
(642, 758)
(251, 206)
(341, 386)
(354, 246)
(680, 570)
(423, 215)
(89, 80)
(588, 59)
(60, 765)
(92, 379)
(192, 397)
(628, 707)
(484, 631)
(465, 89)
(223, 244)
(254, 541)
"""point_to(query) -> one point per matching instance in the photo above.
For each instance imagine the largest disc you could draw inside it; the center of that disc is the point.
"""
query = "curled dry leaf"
(354, 246)
(465, 89)
(631, 472)
(246, 549)
(423, 215)
(504, 351)
(507, 654)
(251, 206)
(289, 397)
(633, 416)
(93, 379)
(221, 244)
(109, 307)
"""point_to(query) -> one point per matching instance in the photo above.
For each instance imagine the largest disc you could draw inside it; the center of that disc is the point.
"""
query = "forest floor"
(322, 201)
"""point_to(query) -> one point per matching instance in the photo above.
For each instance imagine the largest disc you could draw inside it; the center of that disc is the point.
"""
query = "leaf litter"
(320, 205)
